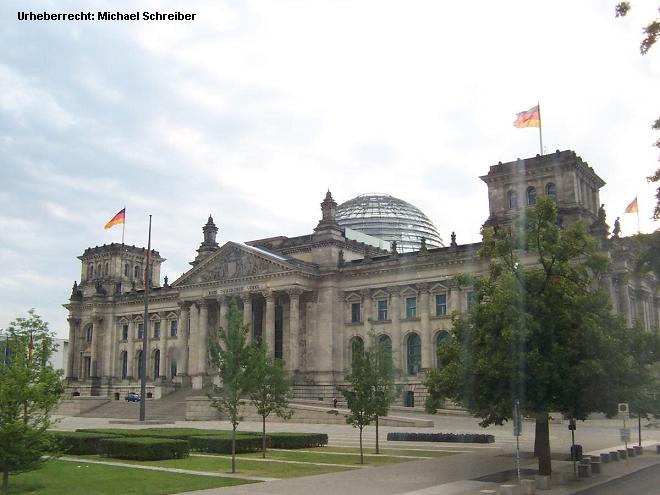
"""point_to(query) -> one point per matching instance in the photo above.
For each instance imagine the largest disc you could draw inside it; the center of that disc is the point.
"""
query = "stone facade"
(312, 297)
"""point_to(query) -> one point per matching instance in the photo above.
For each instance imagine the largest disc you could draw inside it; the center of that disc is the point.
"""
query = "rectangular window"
(355, 313)
(382, 310)
(173, 328)
(471, 299)
(124, 332)
(140, 332)
(411, 308)
(156, 330)
(441, 304)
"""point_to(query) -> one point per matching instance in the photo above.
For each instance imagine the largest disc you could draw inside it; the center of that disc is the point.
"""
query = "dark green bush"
(297, 440)
(76, 442)
(144, 448)
(221, 444)
(442, 437)
(177, 433)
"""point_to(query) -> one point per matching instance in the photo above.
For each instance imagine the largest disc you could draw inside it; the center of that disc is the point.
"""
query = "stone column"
(74, 325)
(164, 336)
(247, 314)
(367, 305)
(202, 336)
(131, 372)
(109, 351)
(427, 348)
(182, 338)
(270, 322)
(294, 328)
(193, 340)
(96, 328)
(395, 311)
(223, 306)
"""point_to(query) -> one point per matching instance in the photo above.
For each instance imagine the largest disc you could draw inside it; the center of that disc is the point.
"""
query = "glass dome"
(390, 219)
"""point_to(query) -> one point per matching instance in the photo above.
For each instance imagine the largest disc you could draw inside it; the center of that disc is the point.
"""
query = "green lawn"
(64, 478)
(244, 466)
(388, 451)
(318, 455)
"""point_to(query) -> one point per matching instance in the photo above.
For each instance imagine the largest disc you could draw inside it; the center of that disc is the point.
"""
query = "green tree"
(29, 390)
(542, 331)
(385, 390)
(229, 354)
(268, 387)
(360, 393)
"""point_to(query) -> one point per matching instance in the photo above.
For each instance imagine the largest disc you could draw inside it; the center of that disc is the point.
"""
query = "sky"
(255, 109)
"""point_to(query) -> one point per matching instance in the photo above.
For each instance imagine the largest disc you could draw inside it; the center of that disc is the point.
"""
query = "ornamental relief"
(238, 264)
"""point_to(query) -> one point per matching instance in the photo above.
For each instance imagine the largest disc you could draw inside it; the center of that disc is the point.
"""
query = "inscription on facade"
(235, 290)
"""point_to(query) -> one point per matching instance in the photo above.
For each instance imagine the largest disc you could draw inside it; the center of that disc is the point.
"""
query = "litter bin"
(576, 452)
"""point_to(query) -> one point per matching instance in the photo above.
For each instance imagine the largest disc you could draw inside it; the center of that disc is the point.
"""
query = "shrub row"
(442, 437)
(297, 440)
(221, 444)
(144, 448)
(77, 442)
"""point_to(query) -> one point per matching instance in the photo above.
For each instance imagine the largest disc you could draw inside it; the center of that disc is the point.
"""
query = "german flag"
(528, 118)
(632, 207)
(119, 218)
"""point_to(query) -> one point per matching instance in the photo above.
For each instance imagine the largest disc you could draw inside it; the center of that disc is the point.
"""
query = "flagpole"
(145, 331)
(540, 132)
(123, 227)
(639, 230)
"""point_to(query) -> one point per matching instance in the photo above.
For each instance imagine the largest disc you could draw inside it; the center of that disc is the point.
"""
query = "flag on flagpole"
(632, 207)
(119, 218)
(528, 118)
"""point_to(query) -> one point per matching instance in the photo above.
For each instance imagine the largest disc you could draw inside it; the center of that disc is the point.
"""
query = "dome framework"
(391, 219)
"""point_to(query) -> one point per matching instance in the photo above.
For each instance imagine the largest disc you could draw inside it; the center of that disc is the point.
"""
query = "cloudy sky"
(252, 111)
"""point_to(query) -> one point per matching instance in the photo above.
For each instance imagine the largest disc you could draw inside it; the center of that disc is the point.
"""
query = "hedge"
(144, 448)
(442, 437)
(76, 442)
(297, 440)
(221, 444)
(176, 433)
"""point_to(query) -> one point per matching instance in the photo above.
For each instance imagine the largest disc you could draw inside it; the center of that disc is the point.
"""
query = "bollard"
(595, 467)
(543, 482)
(605, 457)
(508, 489)
(631, 452)
(657, 449)
(586, 459)
(638, 450)
(623, 454)
(528, 487)
(614, 455)
(584, 470)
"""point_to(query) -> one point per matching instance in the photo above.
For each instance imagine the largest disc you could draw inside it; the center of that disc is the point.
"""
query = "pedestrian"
(334, 402)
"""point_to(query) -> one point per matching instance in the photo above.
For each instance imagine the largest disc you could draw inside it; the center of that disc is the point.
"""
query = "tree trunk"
(537, 436)
(5, 477)
(542, 444)
(377, 451)
(361, 452)
(233, 449)
(263, 437)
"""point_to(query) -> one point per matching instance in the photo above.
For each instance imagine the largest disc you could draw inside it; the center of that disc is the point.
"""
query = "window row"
(413, 351)
(174, 329)
(138, 362)
(512, 196)
(382, 308)
(104, 270)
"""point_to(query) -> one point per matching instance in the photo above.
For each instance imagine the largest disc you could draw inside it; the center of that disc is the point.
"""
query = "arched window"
(139, 364)
(551, 191)
(512, 198)
(90, 271)
(414, 354)
(156, 364)
(127, 270)
(357, 347)
(124, 364)
(531, 196)
(385, 343)
(89, 334)
(440, 337)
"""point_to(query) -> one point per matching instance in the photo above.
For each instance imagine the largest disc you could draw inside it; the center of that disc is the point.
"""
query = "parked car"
(132, 397)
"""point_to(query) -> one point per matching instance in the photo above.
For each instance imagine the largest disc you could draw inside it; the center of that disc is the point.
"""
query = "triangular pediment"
(235, 261)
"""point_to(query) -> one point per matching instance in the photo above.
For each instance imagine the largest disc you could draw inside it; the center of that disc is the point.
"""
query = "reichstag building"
(374, 261)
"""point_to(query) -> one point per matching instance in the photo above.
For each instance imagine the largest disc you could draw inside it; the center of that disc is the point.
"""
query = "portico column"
(130, 358)
(202, 336)
(74, 324)
(222, 305)
(164, 335)
(97, 321)
(270, 322)
(427, 348)
(294, 328)
(247, 314)
(193, 339)
(367, 305)
(183, 331)
(396, 328)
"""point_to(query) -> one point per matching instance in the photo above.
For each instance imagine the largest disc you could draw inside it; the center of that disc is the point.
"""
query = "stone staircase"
(171, 407)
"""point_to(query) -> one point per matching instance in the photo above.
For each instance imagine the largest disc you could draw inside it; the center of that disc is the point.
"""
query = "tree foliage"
(542, 331)
(229, 354)
(385, 389)
(268, 387)
(29, 390)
